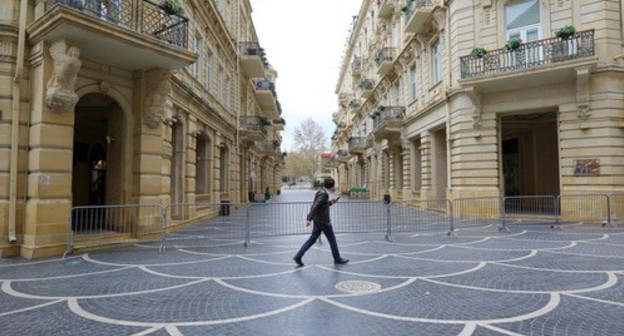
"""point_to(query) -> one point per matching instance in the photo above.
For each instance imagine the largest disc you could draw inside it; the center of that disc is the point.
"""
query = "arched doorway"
(97, 174)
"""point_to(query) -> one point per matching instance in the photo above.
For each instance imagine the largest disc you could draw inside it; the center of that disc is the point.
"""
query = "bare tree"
(309, 144)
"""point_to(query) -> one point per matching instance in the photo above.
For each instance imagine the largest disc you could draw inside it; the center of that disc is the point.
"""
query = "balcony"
(355, 104)
(343, 97)
(342, 155)
(129, 35)
(416, 14)
(385, 60)
(547, 61)
(266, 97)
(385, 8)
(253, 128)
(357, 145)
(269, 147)
(356, 67)
(252, 62)
(366, 86)
(388, 120)
(279, 124)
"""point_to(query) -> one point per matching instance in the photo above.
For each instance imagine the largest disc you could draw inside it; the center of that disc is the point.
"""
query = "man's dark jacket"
(319, 212)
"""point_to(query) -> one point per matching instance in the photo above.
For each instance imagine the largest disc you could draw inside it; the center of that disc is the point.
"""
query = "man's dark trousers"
(328, 230)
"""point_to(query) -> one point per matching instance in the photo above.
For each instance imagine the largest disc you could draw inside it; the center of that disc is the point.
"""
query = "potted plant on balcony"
(513, 43)
(565, 32)
(171, 7)
(478, 52)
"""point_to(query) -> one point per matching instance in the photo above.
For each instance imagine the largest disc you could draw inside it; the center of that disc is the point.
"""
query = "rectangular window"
(197, 66)
(413, 83)
(220, 83)
(226, 92)
(208, 71)
(436, 76)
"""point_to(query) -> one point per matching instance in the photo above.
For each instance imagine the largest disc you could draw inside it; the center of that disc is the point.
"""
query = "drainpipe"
(447, 88)
(15, 120)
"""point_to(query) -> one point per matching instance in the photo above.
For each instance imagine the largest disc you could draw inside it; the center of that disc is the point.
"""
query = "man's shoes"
(341, 261)
(298, 261)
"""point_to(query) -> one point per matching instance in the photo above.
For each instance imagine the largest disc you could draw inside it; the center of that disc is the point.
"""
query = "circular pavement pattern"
(530, 281)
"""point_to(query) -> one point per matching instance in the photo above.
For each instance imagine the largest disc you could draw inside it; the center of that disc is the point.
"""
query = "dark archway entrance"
(530, 155)
(97, 158)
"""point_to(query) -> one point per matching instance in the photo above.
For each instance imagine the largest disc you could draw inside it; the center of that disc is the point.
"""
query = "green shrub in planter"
(565, 32)
(478, 52)
(171, 7)
(513, 44)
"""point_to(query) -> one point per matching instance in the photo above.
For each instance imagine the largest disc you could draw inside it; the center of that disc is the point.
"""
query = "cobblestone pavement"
(531, 281)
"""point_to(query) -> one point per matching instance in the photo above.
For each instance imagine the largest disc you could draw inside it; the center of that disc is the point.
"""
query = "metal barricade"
(583, 208)
(279, 219)
(477, 212)
(114, 224)
(616, 209)
(526, 210)
(191, 224)
(421, 215)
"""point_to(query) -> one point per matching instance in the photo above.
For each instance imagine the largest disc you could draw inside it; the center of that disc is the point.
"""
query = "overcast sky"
(304, 41)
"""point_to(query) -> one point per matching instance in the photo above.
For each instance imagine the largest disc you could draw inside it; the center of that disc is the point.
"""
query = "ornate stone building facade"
(424, 113)
(125, 102)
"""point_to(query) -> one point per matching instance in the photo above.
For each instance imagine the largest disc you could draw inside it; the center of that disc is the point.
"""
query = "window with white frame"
(436, 62)
(413, 76)
(522, 20)
(208, 70)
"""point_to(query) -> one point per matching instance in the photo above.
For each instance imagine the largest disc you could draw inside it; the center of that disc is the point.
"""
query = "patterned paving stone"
(321, 318)
(559, 236)
(379, 247)
(142, 256)
(558, 261)
(308, 281)
(51, 268)
(57, 319)
(216, 286)
(425, 300)
(456, 253)
(204, 301)
(408, 267)
(596, 249)
(506, 243)
(518, 279)
(10, 303)
(122, 281)
(223, 268)
(573, 316)
(611, 294)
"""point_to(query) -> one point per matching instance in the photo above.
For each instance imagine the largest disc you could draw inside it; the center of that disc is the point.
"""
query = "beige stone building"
(423, 116)
(108, 102)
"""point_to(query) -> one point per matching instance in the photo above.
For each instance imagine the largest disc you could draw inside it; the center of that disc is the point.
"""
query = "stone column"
(407, 150)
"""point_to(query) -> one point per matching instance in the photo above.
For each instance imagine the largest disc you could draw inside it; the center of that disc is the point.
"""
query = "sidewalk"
(531, 281)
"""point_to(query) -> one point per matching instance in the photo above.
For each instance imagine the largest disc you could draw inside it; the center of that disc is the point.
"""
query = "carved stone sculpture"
(60, 95)
(155, 103)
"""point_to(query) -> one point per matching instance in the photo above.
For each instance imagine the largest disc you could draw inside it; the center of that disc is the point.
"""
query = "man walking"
(319, 213)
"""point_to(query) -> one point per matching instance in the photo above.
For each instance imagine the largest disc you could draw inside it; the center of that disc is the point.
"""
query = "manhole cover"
(358, 286)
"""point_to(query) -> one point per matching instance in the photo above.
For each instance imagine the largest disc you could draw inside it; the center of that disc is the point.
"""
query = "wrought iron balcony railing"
(253, 124)
(264, 84)
(388, 114)
(529, 55)
(413, 5)
(385, 55)
(366, 84)
(357, 143)
(143, 16)
(355, 104)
